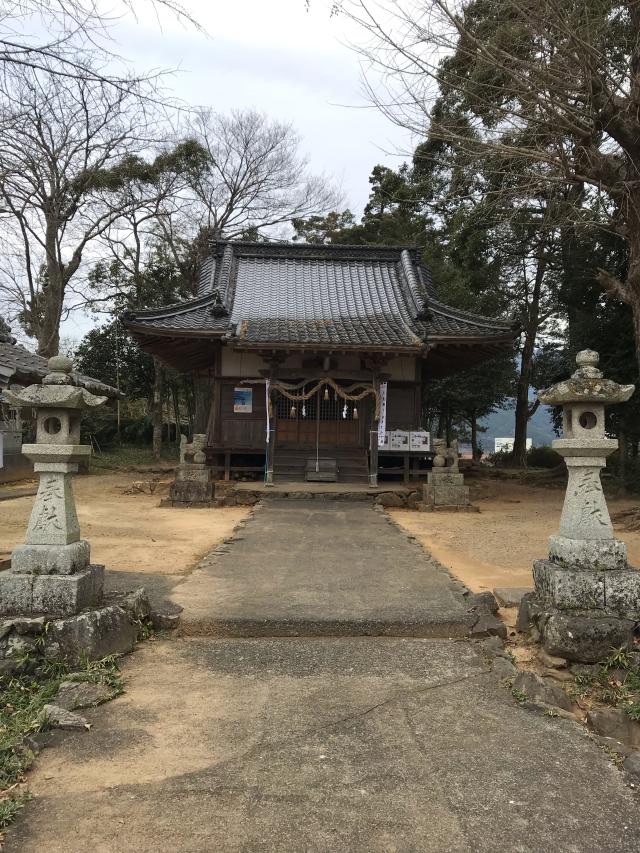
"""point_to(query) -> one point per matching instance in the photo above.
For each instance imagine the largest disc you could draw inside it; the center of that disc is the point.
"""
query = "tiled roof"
(21, 367)
(316, 295)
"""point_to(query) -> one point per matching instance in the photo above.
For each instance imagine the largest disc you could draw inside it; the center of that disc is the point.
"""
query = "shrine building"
(314, 356)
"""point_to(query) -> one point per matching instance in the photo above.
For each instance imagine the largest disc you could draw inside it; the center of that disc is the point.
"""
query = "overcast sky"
(276, 56)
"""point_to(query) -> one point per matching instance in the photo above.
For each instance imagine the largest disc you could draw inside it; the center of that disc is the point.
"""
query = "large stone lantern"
(51, 573)
(587, 598)
(586, 535)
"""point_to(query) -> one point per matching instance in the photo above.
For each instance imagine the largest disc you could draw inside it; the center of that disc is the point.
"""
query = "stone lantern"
(51, 573)
(586, 597)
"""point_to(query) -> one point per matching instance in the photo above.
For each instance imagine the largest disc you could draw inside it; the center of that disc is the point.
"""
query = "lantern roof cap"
(586, 385)
(57, 391)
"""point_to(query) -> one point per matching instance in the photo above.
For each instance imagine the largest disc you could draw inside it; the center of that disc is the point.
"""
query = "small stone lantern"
(51, 573)
(587, 598)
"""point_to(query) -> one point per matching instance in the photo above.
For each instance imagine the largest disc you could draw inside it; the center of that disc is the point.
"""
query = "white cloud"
(276, 56)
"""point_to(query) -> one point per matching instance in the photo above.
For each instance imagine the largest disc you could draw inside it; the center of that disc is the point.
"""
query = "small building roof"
(20, 367)
(302, 296)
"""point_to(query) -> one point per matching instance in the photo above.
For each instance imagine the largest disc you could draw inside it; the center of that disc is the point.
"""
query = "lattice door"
(319, 419)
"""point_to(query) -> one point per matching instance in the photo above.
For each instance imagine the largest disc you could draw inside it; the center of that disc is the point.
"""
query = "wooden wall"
(242, 430)
(403, 406)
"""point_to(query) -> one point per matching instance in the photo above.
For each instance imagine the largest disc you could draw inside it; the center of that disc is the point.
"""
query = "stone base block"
(425, 507)
(598, 554)
(51, 559)
(192, 486)
(167, 502)
(615, 592)
(568, 588)
(91, 635)
(445, 478)
(51, 595)
(584, 638)
(191, 492)
(443, 495)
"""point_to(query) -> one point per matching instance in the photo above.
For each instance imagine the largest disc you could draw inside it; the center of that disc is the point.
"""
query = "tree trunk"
(53, 299)
(202, 398)
(475, 455)
(526, 366)
(622, 462)
(634, 301)
(156, 408)
(447, 423)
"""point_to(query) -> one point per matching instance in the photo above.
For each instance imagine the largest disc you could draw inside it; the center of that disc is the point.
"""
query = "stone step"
(436, 624)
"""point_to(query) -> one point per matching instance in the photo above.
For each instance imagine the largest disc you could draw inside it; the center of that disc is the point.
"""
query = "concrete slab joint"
(586, 596)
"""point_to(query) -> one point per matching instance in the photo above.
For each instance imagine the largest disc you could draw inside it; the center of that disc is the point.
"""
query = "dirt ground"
(496, 546)
(492, 548)
(130, 532)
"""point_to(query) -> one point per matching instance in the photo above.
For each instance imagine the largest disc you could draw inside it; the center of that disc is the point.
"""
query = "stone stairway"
(352, 463)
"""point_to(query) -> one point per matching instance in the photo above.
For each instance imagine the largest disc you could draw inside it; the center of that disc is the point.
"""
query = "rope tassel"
(344, 393)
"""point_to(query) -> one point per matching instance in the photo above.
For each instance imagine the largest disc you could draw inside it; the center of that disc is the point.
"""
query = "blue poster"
(243, 400)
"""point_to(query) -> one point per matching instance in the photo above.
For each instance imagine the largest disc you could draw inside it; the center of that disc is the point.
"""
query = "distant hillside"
(500, 424)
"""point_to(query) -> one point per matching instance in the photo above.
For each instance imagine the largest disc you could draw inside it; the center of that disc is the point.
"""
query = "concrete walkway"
(316, 568)
(321, 744)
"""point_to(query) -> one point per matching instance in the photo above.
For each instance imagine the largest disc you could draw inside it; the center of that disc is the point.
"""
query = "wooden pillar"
(407, 470)
(373, 440)
(270, 445)
(227, 465)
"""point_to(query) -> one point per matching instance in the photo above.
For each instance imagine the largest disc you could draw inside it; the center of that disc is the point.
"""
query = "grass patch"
(22, 698)
(124, 456)
(616, 682)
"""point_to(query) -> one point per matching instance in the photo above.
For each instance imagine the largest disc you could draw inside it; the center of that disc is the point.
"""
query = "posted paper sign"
(243, 401)
(420, 440)
(384, 444)
(399, 440)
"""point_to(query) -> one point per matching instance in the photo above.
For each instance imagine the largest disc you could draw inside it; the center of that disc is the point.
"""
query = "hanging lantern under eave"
(293, 411)
(355, 413)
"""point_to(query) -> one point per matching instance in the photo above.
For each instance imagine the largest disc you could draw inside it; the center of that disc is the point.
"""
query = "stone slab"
(51, 559)
(322, 746)
(53, 595)
(597, 554)
(510, 596)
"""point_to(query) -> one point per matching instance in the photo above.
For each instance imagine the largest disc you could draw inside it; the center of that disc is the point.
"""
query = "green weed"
(519, 695)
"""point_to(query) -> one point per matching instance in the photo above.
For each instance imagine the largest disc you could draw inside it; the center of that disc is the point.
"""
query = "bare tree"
(77, 33)
(68, 147)
(255, 178)
(553, 85)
